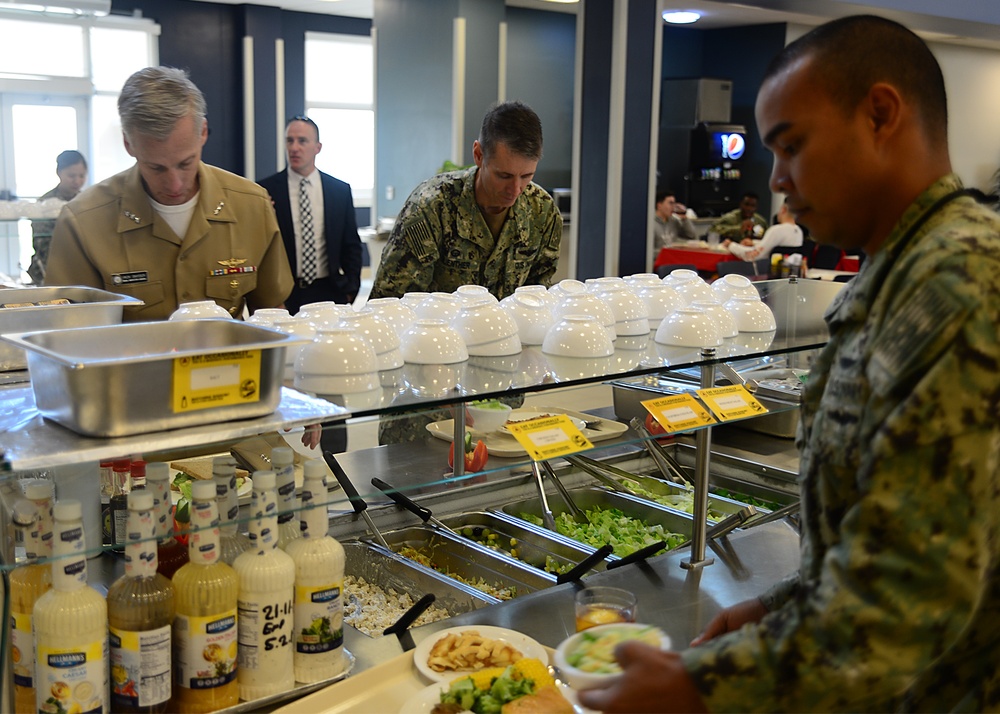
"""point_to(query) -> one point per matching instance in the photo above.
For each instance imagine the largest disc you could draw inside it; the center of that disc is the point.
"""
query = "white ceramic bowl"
(751, 315)
(322, 315)
(680, 275)
(433, 342)
(487, 329)
(267, 316)
(337, 361)
(697, 289)
(200, 310)
(538, 290)
(411, 300)
(580, 679)
(379, 334)
(578, 336)
(722, 317)
(587, 304)
(532, 314)
(567, 287)
(688, 327)
(660, 300)
(433, 380)
(299, 328)
(641, 280)
(485, 419)
(473, 293)
(394, 312)
(732, 285)
(631, 315)
(438, 306)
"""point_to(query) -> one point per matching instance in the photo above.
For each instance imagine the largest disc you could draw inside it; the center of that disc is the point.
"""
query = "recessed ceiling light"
(680, 17)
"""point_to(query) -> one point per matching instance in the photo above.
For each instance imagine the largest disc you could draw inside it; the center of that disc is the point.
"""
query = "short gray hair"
(154, 99)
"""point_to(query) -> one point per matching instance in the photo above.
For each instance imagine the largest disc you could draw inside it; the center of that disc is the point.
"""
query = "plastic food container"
(87, 307)
(140, 377)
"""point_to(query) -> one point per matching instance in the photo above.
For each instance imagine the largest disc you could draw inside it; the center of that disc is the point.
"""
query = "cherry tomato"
(654, 428)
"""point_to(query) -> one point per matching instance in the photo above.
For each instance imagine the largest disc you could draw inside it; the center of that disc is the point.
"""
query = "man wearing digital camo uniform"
(896, 605)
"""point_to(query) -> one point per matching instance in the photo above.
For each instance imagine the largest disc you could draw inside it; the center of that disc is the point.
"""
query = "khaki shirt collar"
(137, 212)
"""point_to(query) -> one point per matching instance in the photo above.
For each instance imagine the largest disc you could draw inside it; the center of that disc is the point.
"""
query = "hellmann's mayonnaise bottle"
(71, 626)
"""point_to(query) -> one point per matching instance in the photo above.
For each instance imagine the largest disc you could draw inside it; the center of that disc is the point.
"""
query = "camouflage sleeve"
(410, 255)
(729, 226)
(548, 257)
(907, 582)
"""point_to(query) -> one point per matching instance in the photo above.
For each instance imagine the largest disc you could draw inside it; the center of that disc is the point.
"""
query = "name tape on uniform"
(733, 402)
(678, 412)
(549, 437)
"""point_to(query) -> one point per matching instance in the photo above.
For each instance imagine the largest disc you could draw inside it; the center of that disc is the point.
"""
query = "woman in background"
(71, 168)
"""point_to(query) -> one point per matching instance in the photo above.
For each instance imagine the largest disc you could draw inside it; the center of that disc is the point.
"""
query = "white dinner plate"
(524, 644)
(528, 413)
(424, 701)
(244, 491)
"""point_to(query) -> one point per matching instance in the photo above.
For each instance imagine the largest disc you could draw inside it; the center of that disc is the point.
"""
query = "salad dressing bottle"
(205, 625)
(71, 626)
(140, 615)
(32, 518)
(283, 463)
(232, 542)
(267, 595)
(319, 581)
(170, 553)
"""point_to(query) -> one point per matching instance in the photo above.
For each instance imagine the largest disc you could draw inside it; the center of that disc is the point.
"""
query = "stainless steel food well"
(120, 380)
(87, 307)
(502, 577)
(537, 548)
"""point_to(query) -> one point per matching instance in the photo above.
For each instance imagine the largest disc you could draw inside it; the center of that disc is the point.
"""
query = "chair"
(739, 267)
(665, 270)
(826, 257)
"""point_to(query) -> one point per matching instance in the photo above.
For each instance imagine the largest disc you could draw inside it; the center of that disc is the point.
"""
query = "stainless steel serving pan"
(587, 498)
(535, 547)
(120, 380)
(88, 307)
(455, 555)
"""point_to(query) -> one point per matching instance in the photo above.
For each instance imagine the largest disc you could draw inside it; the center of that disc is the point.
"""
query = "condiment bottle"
(283, 463)
(71, 626)
(32, 518)
(319, 581)
(232, 541)
(204, 630)
(170, 553)
(267, 595)
(137, 472)
(140, 615)
(121, 485)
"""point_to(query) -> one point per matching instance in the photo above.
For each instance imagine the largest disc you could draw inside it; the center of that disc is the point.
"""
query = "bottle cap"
(263, 480)
(203, 490)
(138, 468)
(122, 464)
(36, 489)
(223, 465)
(314, 468)
(68, 509)
(282, 456)
(140, 500)
(157, 471)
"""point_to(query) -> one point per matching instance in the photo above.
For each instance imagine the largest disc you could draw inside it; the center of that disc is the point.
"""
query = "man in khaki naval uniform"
(896, 604)
(171, 229)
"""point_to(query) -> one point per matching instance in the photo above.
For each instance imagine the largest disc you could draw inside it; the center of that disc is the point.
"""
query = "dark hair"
(515, 125)
(853, 53)
(70, 157)
(662, 193)
(307, 120)
(750, 194)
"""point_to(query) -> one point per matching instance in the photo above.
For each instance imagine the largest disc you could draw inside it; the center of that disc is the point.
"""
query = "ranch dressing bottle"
(319, 582)
(71, 626)
(283, 463)
(140, 613)
(205, 626)
(267, 595)
(231, 541)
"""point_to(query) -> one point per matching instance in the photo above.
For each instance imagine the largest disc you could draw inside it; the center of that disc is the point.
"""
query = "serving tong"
(359, 504)
(668, 466)
(410, 505)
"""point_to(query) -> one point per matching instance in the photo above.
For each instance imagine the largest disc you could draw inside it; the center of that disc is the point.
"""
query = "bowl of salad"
(586, 660)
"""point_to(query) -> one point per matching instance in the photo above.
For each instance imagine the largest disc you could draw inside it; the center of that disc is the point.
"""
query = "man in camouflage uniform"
(896, 605)
(488, 225)
(743, 223)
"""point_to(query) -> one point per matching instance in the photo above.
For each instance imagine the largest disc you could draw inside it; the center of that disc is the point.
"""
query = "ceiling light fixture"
(680, 17)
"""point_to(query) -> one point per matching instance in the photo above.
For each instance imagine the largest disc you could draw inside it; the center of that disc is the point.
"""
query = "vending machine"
(711, 182)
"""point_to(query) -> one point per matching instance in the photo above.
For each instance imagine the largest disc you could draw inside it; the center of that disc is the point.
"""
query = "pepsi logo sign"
(733, 146)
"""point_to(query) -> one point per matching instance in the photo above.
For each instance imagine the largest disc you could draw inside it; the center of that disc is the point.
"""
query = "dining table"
(701, 255)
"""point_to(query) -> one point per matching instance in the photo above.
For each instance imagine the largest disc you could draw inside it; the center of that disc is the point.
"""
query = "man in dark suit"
(316, 216)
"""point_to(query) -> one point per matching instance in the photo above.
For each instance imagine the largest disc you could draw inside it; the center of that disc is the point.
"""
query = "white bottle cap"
(36, 489)
(141, 500)
(68, 509)
(157, 471)
(282, 456)
(203, 490)
(314, 468)
(263, 480)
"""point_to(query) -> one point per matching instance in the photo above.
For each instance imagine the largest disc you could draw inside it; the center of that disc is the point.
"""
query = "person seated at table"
(784, 233)
(743, 223)
(671, 219)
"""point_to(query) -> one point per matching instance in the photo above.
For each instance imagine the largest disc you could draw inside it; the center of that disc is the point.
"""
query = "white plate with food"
(528, 413)
(428, 698)
(456, 650)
